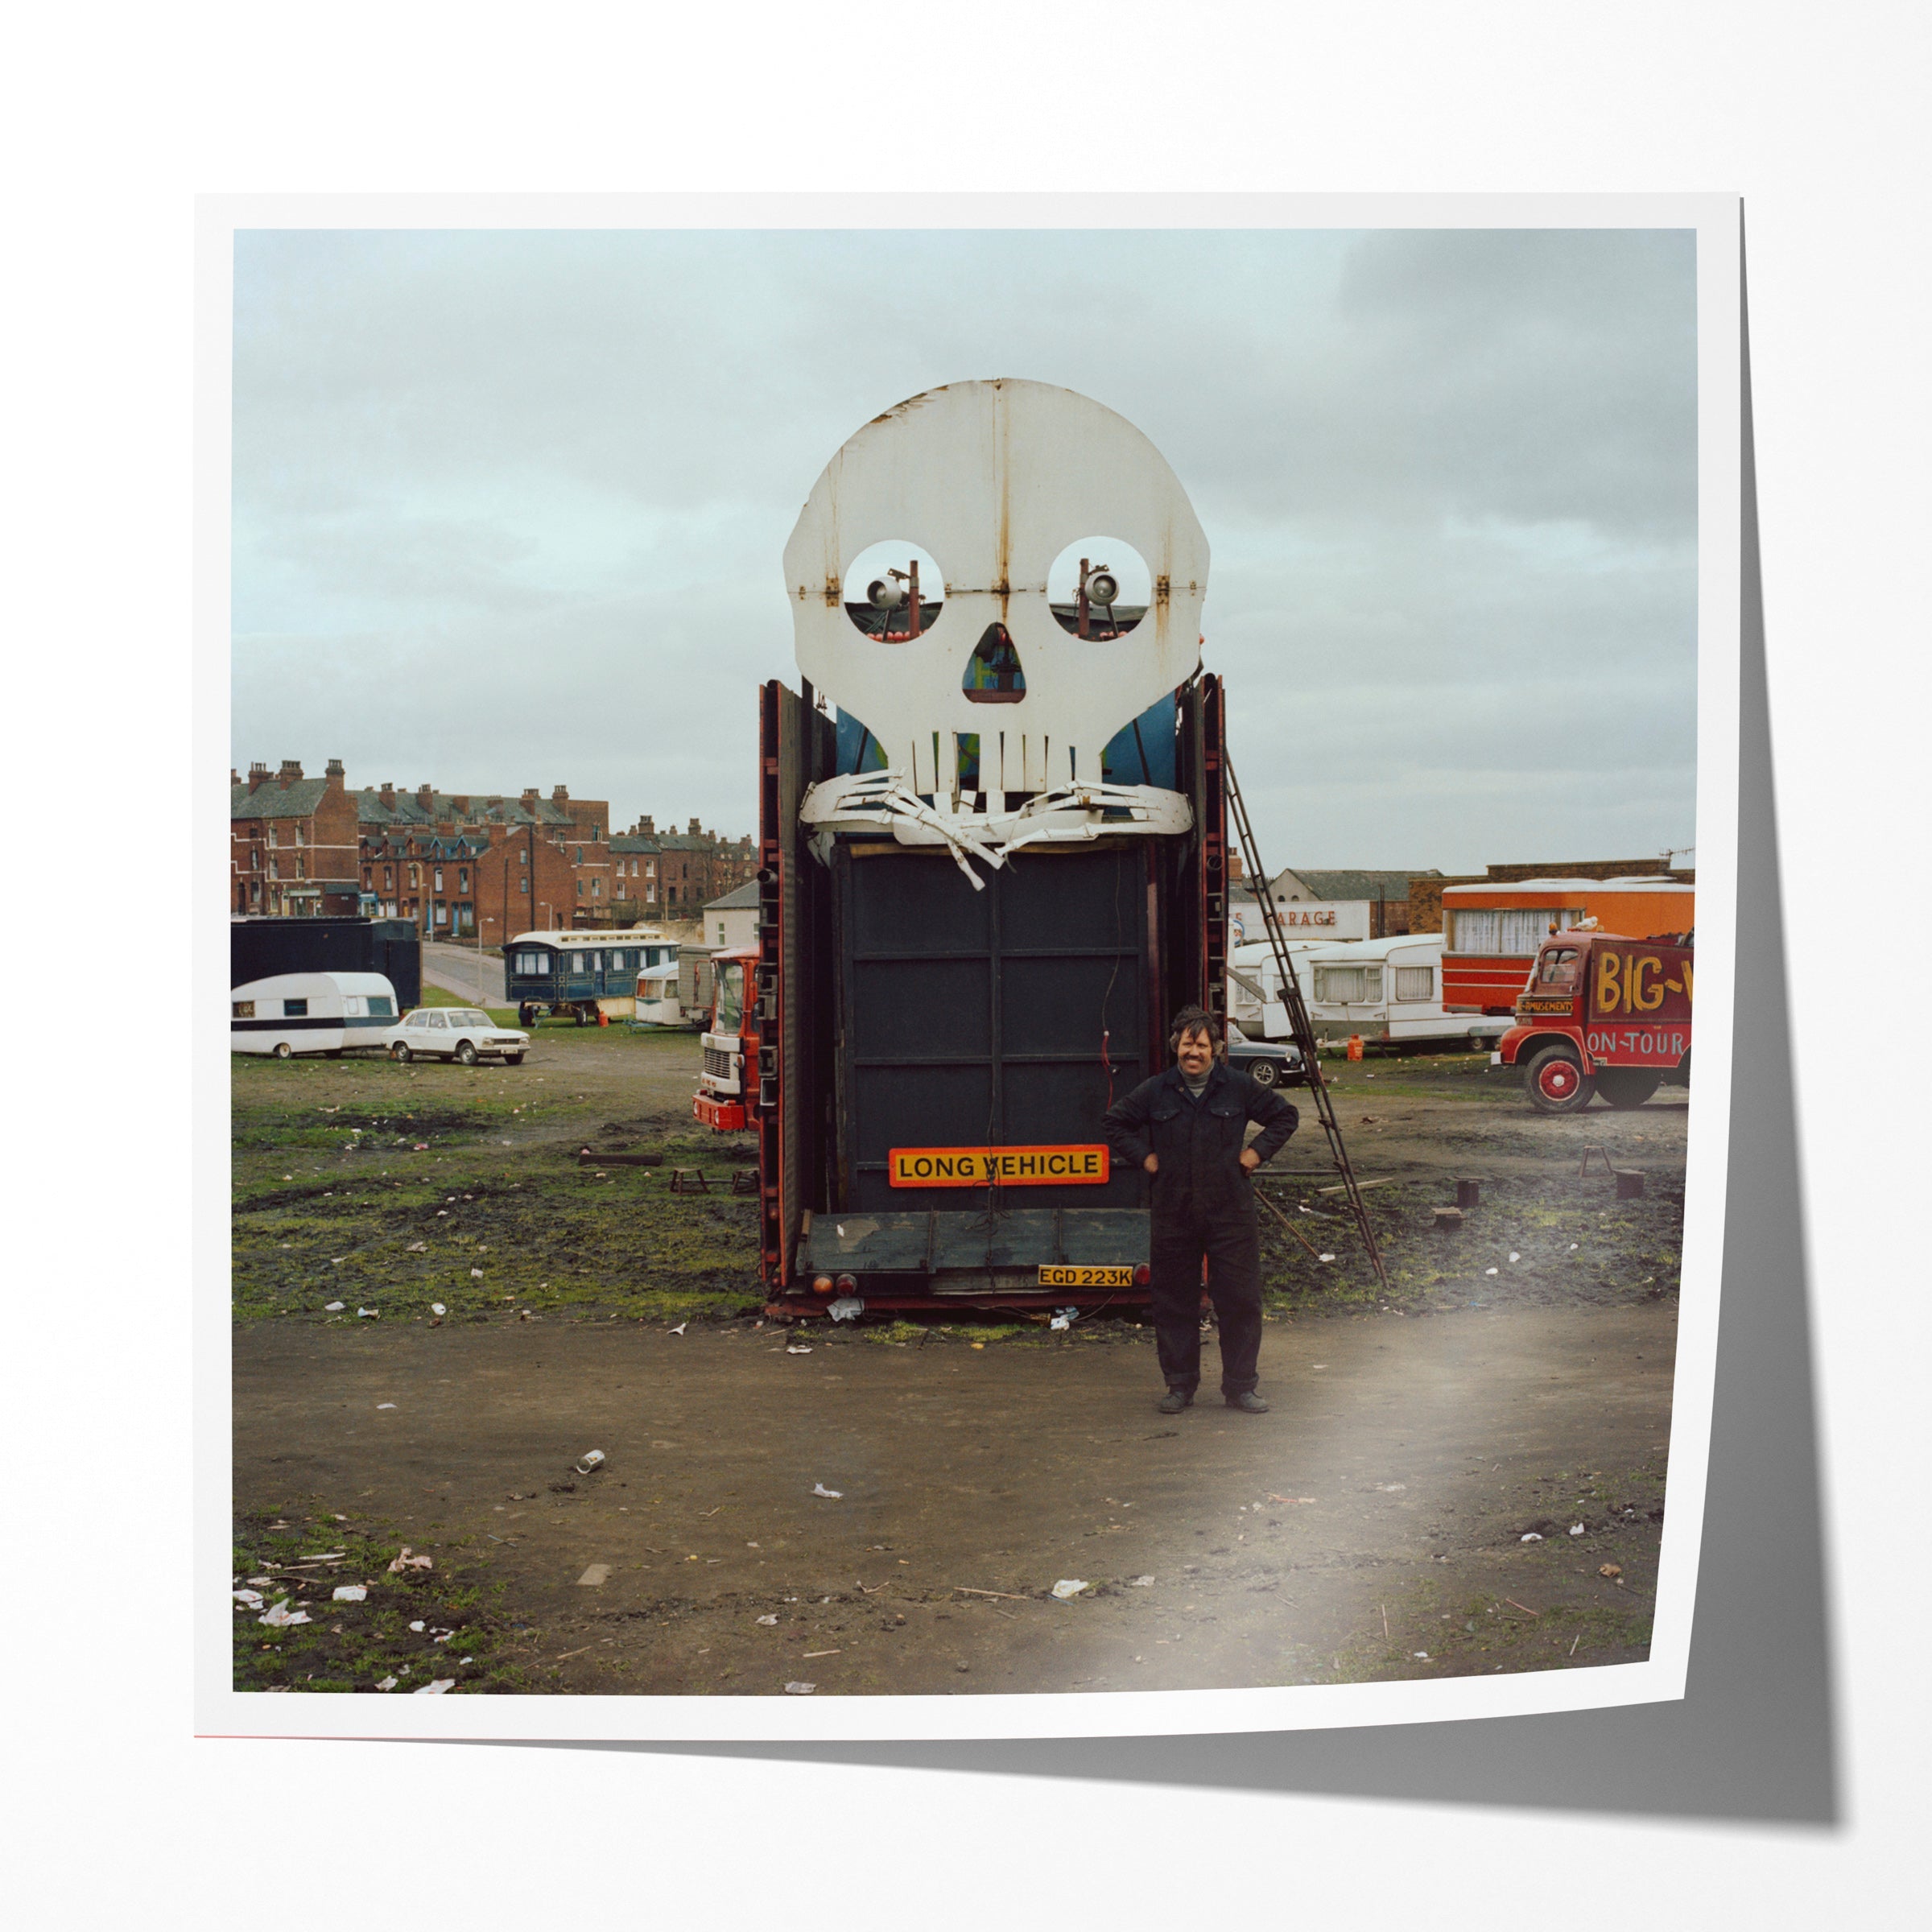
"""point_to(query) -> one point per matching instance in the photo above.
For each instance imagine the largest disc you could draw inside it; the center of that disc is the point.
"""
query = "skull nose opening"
(993, 674)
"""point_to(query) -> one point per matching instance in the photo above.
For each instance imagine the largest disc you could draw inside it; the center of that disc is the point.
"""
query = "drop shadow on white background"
(1755, 1737)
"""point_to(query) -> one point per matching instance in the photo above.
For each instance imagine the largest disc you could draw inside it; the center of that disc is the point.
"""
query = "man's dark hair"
(1190, 1019)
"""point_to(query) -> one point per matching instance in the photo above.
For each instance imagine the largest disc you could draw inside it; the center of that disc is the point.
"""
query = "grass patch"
(361, 1647)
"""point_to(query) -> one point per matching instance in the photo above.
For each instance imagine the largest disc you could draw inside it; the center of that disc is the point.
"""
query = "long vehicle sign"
(1008, 1166)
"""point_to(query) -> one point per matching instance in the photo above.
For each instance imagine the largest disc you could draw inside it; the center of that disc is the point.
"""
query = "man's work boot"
(1248, 1403)
(1174, 1401)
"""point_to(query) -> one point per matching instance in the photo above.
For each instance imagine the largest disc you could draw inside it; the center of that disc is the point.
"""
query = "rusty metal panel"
(993, 479)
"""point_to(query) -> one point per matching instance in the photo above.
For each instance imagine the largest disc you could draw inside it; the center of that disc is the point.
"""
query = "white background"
(117, 118)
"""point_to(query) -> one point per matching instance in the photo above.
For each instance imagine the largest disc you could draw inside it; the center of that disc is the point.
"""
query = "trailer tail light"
(1142, 1275)
(822, 1284)
(849, 1284)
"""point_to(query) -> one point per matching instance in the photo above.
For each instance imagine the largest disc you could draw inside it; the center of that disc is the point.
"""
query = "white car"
(454, 1033)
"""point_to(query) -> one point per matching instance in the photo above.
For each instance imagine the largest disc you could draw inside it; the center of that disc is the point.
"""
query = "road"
(464, 971)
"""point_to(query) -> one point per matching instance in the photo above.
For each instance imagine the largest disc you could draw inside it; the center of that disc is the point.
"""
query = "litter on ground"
(332, 1307)
(350, 1593)
(1070, 1587)
(768, 1619)
(442, 1683)
(830, 1495)
(797, 1690)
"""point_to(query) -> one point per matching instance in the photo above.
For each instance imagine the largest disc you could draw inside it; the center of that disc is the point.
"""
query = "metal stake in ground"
(1299, 1024)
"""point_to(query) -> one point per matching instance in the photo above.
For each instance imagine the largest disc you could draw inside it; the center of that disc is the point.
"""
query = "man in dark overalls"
(1186, 1127)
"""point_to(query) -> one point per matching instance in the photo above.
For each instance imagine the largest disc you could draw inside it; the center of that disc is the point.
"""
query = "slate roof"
(635, 842)
(743, 899)
(1337, 885)
(274, 801)
(408, 809)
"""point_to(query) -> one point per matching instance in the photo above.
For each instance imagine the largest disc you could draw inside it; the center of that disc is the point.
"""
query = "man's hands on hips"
(1152, 1163)
(1250, 1160)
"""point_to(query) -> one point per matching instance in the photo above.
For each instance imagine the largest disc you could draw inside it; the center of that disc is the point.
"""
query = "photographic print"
(961, 961)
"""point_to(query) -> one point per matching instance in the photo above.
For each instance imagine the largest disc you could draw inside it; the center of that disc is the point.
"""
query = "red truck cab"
(1602, 1014)
(730, 1077)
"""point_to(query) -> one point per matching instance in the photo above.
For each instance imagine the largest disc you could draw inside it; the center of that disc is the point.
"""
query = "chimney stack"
(694, 829)
(387, 794)
(332, 773)
(257, 776)
(426, 796)
(291, 773)
(644, 826)
(560, 795)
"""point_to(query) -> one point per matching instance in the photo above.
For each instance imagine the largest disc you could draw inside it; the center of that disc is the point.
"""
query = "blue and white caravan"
(326, 1012)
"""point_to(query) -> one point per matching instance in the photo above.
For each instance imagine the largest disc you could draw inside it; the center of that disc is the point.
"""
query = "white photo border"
(220, 1710)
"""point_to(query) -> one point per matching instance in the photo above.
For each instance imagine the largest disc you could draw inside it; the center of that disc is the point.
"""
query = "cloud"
(1449, 478)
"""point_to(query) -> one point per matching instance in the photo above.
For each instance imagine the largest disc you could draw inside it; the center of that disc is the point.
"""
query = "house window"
(369, 875)
(274, 837)
(522, 856)
(720, 935)
(389, 877)
(1415, 982)
(274, 868)
(580, 889)
(243, 1010)
(523, 886)
(593, 835)
(299, 839)
(579, 855)
(415, 875)
(301, 868)
(439, 885)
(596, 888)
(463, 879)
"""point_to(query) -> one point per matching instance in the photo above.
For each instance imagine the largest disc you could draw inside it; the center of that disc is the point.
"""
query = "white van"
(1389, 990)
(310, 1012)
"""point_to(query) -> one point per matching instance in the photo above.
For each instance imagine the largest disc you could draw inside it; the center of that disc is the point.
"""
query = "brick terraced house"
(292, 843)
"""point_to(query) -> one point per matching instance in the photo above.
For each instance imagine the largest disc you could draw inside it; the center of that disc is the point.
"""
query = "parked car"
(1274, 1063)
(454, 1033)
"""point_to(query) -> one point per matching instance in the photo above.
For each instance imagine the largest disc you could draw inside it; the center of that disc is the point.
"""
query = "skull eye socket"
(895, 591)
(1099, 587)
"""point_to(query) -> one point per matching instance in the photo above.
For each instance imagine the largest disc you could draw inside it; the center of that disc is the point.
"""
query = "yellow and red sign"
(1650, 984)
(1085, 1166)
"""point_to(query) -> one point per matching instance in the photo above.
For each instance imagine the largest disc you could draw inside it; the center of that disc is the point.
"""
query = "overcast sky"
(508, 507)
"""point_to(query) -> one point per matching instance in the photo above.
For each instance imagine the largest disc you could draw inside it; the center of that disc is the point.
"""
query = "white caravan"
(1254, 986)
(295, 1012)
(657, 1002)
(1389, 990)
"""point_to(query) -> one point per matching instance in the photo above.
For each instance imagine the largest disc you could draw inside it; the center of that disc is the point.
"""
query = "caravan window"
(1514, 934)
(529, 962)
(294, 1010)
(1347, 985)
(243, 1010)
(1415, 982)
(381, 1006)
(353, 1006)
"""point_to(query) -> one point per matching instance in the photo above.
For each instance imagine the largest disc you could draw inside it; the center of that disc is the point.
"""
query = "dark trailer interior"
(899, 1009)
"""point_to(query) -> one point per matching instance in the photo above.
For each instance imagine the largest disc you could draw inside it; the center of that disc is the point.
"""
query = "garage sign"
(1009, 1167)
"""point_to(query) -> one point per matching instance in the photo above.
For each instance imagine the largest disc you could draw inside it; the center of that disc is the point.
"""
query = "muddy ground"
(1514, 1382)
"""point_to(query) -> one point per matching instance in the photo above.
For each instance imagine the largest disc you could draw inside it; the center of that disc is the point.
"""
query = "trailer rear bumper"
(918, 1257)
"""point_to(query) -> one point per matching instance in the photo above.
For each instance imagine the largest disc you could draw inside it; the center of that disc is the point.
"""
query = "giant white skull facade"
(994, 479)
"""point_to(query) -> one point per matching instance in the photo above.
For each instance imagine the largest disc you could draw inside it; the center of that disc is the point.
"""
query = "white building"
(732, 920)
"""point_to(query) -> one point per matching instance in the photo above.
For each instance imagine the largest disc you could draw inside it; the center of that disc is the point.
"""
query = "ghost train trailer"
(993, 860)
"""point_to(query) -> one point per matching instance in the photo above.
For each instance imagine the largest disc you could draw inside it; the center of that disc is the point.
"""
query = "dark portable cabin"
(261, 949)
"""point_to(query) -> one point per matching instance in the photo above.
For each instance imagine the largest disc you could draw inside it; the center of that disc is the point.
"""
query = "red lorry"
(1602, 1014)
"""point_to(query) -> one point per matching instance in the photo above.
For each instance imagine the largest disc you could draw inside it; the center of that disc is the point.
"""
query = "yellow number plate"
(1085, 1277)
